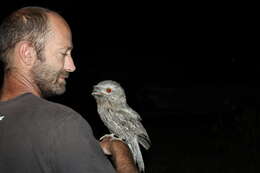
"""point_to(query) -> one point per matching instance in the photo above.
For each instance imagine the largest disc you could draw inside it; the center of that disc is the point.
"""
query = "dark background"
(189, 69)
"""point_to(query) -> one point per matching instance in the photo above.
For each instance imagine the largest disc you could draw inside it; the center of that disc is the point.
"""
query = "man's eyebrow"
(67, 48)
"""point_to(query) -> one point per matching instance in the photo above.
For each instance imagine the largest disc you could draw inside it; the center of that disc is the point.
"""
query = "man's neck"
(15, 84)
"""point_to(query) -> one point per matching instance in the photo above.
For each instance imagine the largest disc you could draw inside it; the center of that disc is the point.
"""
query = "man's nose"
(69, 65)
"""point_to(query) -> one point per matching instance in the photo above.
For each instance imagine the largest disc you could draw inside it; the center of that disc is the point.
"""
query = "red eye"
(109, 90)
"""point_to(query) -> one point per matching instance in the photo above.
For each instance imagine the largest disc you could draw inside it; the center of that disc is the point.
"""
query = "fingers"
(110, 143)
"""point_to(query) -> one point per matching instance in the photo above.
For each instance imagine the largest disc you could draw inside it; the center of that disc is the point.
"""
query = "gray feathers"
(120, 119)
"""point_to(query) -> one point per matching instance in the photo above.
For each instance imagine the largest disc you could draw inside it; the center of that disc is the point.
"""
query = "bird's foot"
(111, 136)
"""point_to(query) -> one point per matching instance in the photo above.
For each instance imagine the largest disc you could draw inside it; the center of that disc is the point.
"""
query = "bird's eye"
(108, 90)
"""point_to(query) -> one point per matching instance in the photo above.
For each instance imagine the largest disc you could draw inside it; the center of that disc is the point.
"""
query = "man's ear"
(27, 53)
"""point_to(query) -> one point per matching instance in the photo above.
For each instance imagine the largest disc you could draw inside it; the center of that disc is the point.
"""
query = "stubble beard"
(48, 80)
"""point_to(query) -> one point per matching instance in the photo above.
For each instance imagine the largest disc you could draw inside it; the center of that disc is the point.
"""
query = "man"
(37, 135)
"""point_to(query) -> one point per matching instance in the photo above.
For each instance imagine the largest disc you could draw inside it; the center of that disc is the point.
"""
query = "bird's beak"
(96, 91)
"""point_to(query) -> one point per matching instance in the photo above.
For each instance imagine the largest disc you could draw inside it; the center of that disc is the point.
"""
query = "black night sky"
(189, 70)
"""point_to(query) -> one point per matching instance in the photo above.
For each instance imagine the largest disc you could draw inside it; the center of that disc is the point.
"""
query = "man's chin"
(54, 92)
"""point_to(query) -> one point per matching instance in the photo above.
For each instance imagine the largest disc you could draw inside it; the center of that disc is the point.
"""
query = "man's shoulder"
(40, 111)
(56, 110)
(43, 110)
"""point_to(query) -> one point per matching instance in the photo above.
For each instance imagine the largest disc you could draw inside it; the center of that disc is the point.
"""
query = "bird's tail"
(137, 155)
(144, 140)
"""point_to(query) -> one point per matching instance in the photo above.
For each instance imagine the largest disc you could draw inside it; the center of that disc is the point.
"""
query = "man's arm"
(122, 157)
(74, 149)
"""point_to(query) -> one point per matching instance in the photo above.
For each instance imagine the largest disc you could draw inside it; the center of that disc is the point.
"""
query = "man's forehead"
(60, 32)
(57, 23)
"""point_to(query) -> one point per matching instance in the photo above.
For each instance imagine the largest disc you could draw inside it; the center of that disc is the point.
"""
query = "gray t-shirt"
(39, 136)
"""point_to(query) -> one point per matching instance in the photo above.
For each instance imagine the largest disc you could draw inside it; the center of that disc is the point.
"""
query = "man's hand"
(106, 145)
(121, 154)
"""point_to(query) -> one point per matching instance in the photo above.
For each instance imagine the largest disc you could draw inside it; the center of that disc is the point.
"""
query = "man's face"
(50, 74)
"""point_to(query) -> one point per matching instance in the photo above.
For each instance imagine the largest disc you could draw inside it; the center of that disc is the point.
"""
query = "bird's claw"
(112, 137)
(107, 135)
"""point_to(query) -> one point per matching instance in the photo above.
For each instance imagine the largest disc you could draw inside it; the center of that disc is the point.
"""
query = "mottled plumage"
(120, 119)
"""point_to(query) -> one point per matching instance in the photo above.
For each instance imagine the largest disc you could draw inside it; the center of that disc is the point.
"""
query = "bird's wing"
(130, 112)
(130, 125)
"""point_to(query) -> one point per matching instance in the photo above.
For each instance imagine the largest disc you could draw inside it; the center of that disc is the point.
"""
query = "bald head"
(26, 24)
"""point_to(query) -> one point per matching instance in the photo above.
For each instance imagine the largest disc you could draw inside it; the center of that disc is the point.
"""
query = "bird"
(121, 120)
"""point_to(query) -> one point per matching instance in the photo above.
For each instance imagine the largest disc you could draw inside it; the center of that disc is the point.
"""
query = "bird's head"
(109, 89)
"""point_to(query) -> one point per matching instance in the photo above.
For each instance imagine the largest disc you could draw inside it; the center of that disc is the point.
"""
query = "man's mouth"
(64, 76)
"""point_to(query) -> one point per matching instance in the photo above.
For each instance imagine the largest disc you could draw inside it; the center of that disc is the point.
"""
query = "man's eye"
(64, 54)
